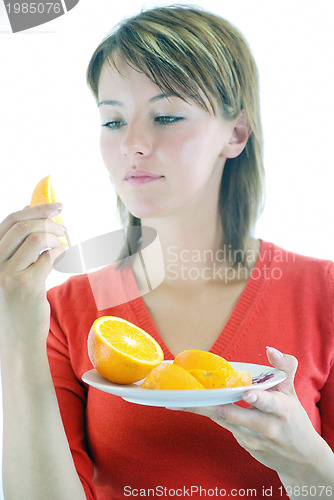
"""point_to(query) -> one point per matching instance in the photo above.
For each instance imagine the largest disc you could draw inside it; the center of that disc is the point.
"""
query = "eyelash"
(161, 120)
(113, 125)
(170, 119)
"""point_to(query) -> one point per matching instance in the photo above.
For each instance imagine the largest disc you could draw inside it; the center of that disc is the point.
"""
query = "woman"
(181, 138)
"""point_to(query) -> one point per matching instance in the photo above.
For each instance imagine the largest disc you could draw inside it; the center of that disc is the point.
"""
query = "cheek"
(186, 145)
(196, 145)
(107, 150)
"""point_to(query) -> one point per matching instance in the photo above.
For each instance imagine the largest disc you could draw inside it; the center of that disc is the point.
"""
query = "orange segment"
(210, 370)
(120, 351)
(211, 379)
(170, 376)
(192, 359)
(44, 193)
(238, 379)
(220, 379)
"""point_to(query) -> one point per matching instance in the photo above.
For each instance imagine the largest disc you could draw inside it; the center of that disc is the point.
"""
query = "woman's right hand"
(31, 412)
(24, 267)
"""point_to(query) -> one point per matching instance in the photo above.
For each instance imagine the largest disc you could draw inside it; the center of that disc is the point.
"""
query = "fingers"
(37, 212)
(40, 233)
(231, 416)
(45, 262)
(213, 412)
(24, 237)
(251, 427)
(30, 250)
(288, 364)
(275, 403)
(276, 424)
(223, 415)
(271, 402)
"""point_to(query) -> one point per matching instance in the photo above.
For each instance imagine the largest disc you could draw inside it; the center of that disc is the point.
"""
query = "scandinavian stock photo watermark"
(226, 264)
(139, 247)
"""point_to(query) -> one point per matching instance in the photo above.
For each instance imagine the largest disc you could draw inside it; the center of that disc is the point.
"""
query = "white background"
(49, 122)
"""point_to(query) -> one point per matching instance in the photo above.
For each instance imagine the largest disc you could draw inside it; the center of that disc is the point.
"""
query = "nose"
(137, 140)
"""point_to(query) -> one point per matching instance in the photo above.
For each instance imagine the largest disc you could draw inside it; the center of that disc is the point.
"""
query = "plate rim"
(155, 397)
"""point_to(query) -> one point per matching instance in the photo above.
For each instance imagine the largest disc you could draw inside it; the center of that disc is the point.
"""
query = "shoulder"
(295, 265)
(299, 280)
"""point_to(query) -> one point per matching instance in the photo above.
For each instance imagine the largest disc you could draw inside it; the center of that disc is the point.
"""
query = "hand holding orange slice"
(44, 193)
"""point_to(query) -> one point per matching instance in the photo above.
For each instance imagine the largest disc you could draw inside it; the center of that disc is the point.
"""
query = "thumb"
(288, 364)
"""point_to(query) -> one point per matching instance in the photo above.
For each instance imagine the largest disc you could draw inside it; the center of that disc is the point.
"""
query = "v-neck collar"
(240, 314)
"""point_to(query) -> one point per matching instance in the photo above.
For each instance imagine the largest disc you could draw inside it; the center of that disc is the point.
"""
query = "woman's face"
(163, 155)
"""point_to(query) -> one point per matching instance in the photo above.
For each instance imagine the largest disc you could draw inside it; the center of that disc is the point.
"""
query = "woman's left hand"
(276, 429)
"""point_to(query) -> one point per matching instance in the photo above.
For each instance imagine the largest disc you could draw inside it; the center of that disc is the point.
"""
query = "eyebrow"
(112, 102)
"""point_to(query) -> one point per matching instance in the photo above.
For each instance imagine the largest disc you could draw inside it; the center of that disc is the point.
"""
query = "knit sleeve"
(71, 395)
(326, 403)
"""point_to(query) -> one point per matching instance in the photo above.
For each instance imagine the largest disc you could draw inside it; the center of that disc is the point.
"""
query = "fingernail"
(275, 352)
(55, 211)
(250, 398)
(173, 408)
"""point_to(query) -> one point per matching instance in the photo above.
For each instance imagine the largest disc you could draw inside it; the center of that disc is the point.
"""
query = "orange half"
(120, 351)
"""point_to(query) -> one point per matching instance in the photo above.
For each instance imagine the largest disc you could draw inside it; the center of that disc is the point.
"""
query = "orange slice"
(192, 359)
(211, 379)
(220, 379)
(44, 193)
(238, 379)
(120, 351)
(170, 376)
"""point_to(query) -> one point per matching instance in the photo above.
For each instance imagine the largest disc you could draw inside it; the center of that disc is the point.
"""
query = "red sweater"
(121, 449)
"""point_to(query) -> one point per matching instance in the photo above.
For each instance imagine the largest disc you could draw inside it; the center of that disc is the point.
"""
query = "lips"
(140, 173)
(141, 176)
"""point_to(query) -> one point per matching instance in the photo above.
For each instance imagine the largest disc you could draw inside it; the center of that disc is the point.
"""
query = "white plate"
(264, 377)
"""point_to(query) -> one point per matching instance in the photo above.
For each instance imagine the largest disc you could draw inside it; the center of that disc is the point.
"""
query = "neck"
(187, 234)
(193, 251)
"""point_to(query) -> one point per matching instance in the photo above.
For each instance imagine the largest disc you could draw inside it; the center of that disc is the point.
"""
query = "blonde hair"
(186, 50)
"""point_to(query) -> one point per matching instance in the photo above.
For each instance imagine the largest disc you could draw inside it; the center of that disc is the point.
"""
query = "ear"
(239, 137)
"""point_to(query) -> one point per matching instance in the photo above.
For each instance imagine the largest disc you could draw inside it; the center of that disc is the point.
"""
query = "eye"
(113, 125)
(168, 120)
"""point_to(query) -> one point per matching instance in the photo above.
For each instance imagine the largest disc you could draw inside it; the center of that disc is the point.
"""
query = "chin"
(145, 208)
(148, 212)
